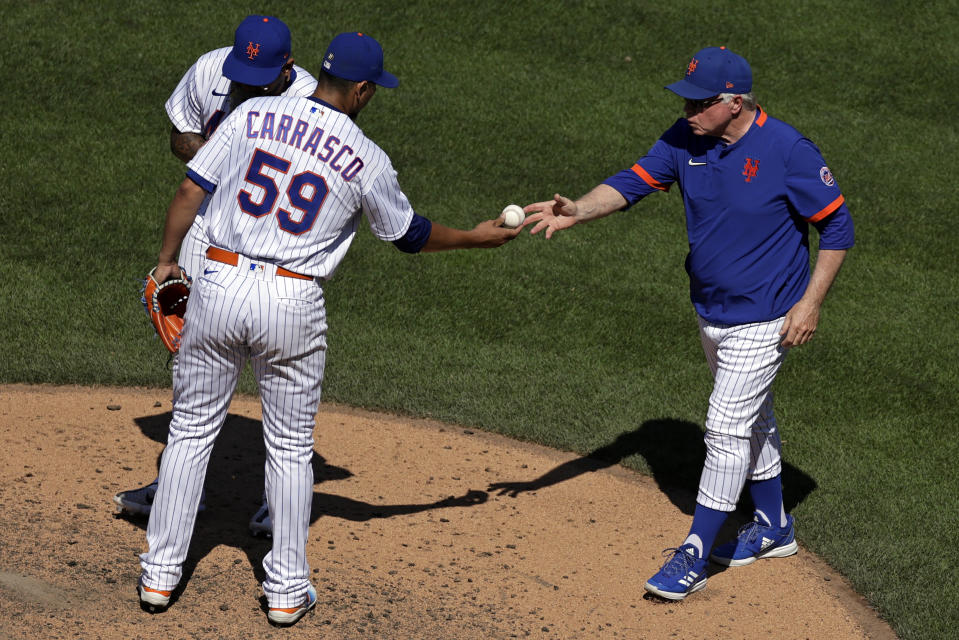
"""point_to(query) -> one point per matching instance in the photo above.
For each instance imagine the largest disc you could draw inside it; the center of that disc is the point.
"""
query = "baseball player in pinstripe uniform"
(258, 64)
(290, 180)
(751, 186)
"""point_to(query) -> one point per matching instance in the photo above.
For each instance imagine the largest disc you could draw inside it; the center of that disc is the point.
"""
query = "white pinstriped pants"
(191, 259)
(279, 324)
(742, 438)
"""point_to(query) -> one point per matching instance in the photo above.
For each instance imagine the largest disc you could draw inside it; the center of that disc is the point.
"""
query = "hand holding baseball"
(513, 216)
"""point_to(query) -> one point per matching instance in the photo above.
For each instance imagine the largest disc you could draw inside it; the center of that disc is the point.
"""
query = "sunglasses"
(701, 105)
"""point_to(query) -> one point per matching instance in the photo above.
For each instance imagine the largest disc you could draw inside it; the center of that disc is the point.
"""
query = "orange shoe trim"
(293, 610)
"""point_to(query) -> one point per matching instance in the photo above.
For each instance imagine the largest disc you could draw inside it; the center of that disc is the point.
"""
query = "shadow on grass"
(234, 491)
(675, 452)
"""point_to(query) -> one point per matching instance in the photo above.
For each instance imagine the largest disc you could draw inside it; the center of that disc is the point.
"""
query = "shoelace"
(752, 530)
(680, 563)
(749, 531)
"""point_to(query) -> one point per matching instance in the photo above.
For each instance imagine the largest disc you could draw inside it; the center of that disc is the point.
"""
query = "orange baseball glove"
(165, 304)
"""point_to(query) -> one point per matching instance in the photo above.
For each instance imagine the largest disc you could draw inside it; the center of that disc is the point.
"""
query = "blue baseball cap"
(261, 47)
(712, 71)
(357, 57)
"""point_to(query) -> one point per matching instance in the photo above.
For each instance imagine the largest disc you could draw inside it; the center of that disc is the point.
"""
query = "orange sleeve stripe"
(648, 179)
(829, 208)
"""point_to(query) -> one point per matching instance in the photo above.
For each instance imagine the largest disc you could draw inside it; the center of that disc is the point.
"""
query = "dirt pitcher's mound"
(420, 530)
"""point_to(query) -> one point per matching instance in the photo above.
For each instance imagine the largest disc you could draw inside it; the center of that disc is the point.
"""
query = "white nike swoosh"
(695, 164)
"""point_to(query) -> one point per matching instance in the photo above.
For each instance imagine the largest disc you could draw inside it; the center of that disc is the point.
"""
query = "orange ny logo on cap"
(692, 66)
(252, 51)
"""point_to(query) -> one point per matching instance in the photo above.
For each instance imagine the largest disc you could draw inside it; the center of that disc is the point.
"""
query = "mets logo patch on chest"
(750, 169)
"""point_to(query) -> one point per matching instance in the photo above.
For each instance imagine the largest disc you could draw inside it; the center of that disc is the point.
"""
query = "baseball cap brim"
(235, 69)
(387, 80)
(688, 90)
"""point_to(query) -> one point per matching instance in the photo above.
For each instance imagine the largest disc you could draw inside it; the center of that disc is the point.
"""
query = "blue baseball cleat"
(684, 573)
(757, 540)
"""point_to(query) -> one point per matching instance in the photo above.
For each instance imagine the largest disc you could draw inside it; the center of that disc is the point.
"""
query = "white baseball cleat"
(153, 600)
(286, 617)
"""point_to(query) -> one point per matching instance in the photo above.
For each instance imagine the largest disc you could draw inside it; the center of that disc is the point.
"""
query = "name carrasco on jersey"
(326, 148)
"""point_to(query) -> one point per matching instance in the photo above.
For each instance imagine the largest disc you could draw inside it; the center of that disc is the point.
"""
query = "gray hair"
(749, 100)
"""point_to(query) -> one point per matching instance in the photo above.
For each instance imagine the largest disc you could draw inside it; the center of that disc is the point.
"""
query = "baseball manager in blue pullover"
(751, 186)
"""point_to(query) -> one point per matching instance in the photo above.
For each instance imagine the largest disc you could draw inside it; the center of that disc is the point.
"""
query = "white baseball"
(513, 216)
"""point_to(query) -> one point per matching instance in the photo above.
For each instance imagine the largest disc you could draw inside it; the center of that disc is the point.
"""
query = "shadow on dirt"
(674, 451)
(234, 491)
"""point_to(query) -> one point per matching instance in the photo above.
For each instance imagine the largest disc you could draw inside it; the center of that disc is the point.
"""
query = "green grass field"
(573, 342)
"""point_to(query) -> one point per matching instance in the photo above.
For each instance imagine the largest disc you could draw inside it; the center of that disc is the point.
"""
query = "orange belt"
(232, 259)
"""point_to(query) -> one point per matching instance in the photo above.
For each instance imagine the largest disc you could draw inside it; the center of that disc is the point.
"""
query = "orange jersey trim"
(825, 211)
(648, 179)
(761, 120)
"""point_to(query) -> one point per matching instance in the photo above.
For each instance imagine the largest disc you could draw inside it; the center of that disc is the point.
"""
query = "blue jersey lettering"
(250, 117)
(285, 123)
(298, 132)
(328, 147)
(267, 129)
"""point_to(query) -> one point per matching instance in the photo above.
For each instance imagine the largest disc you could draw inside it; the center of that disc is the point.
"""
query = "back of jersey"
(291, 177)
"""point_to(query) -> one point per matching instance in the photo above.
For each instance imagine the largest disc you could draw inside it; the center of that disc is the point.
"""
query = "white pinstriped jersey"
(199, 103)
(201, 99)
(290, 179)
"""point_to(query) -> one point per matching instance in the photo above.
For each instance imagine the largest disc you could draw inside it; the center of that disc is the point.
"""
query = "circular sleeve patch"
(826, 176)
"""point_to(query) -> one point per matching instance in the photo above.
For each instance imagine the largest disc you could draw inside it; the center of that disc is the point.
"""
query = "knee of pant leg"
(726, 447)
(724, 472)
(730, 418)
(740, 412)
(296, 445)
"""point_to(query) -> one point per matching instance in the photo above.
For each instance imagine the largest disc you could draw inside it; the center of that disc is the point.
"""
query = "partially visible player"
(258, 64)
(291, 179)
(752, 186)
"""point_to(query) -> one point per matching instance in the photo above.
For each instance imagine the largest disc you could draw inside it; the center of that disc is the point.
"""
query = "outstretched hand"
(552, 215)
